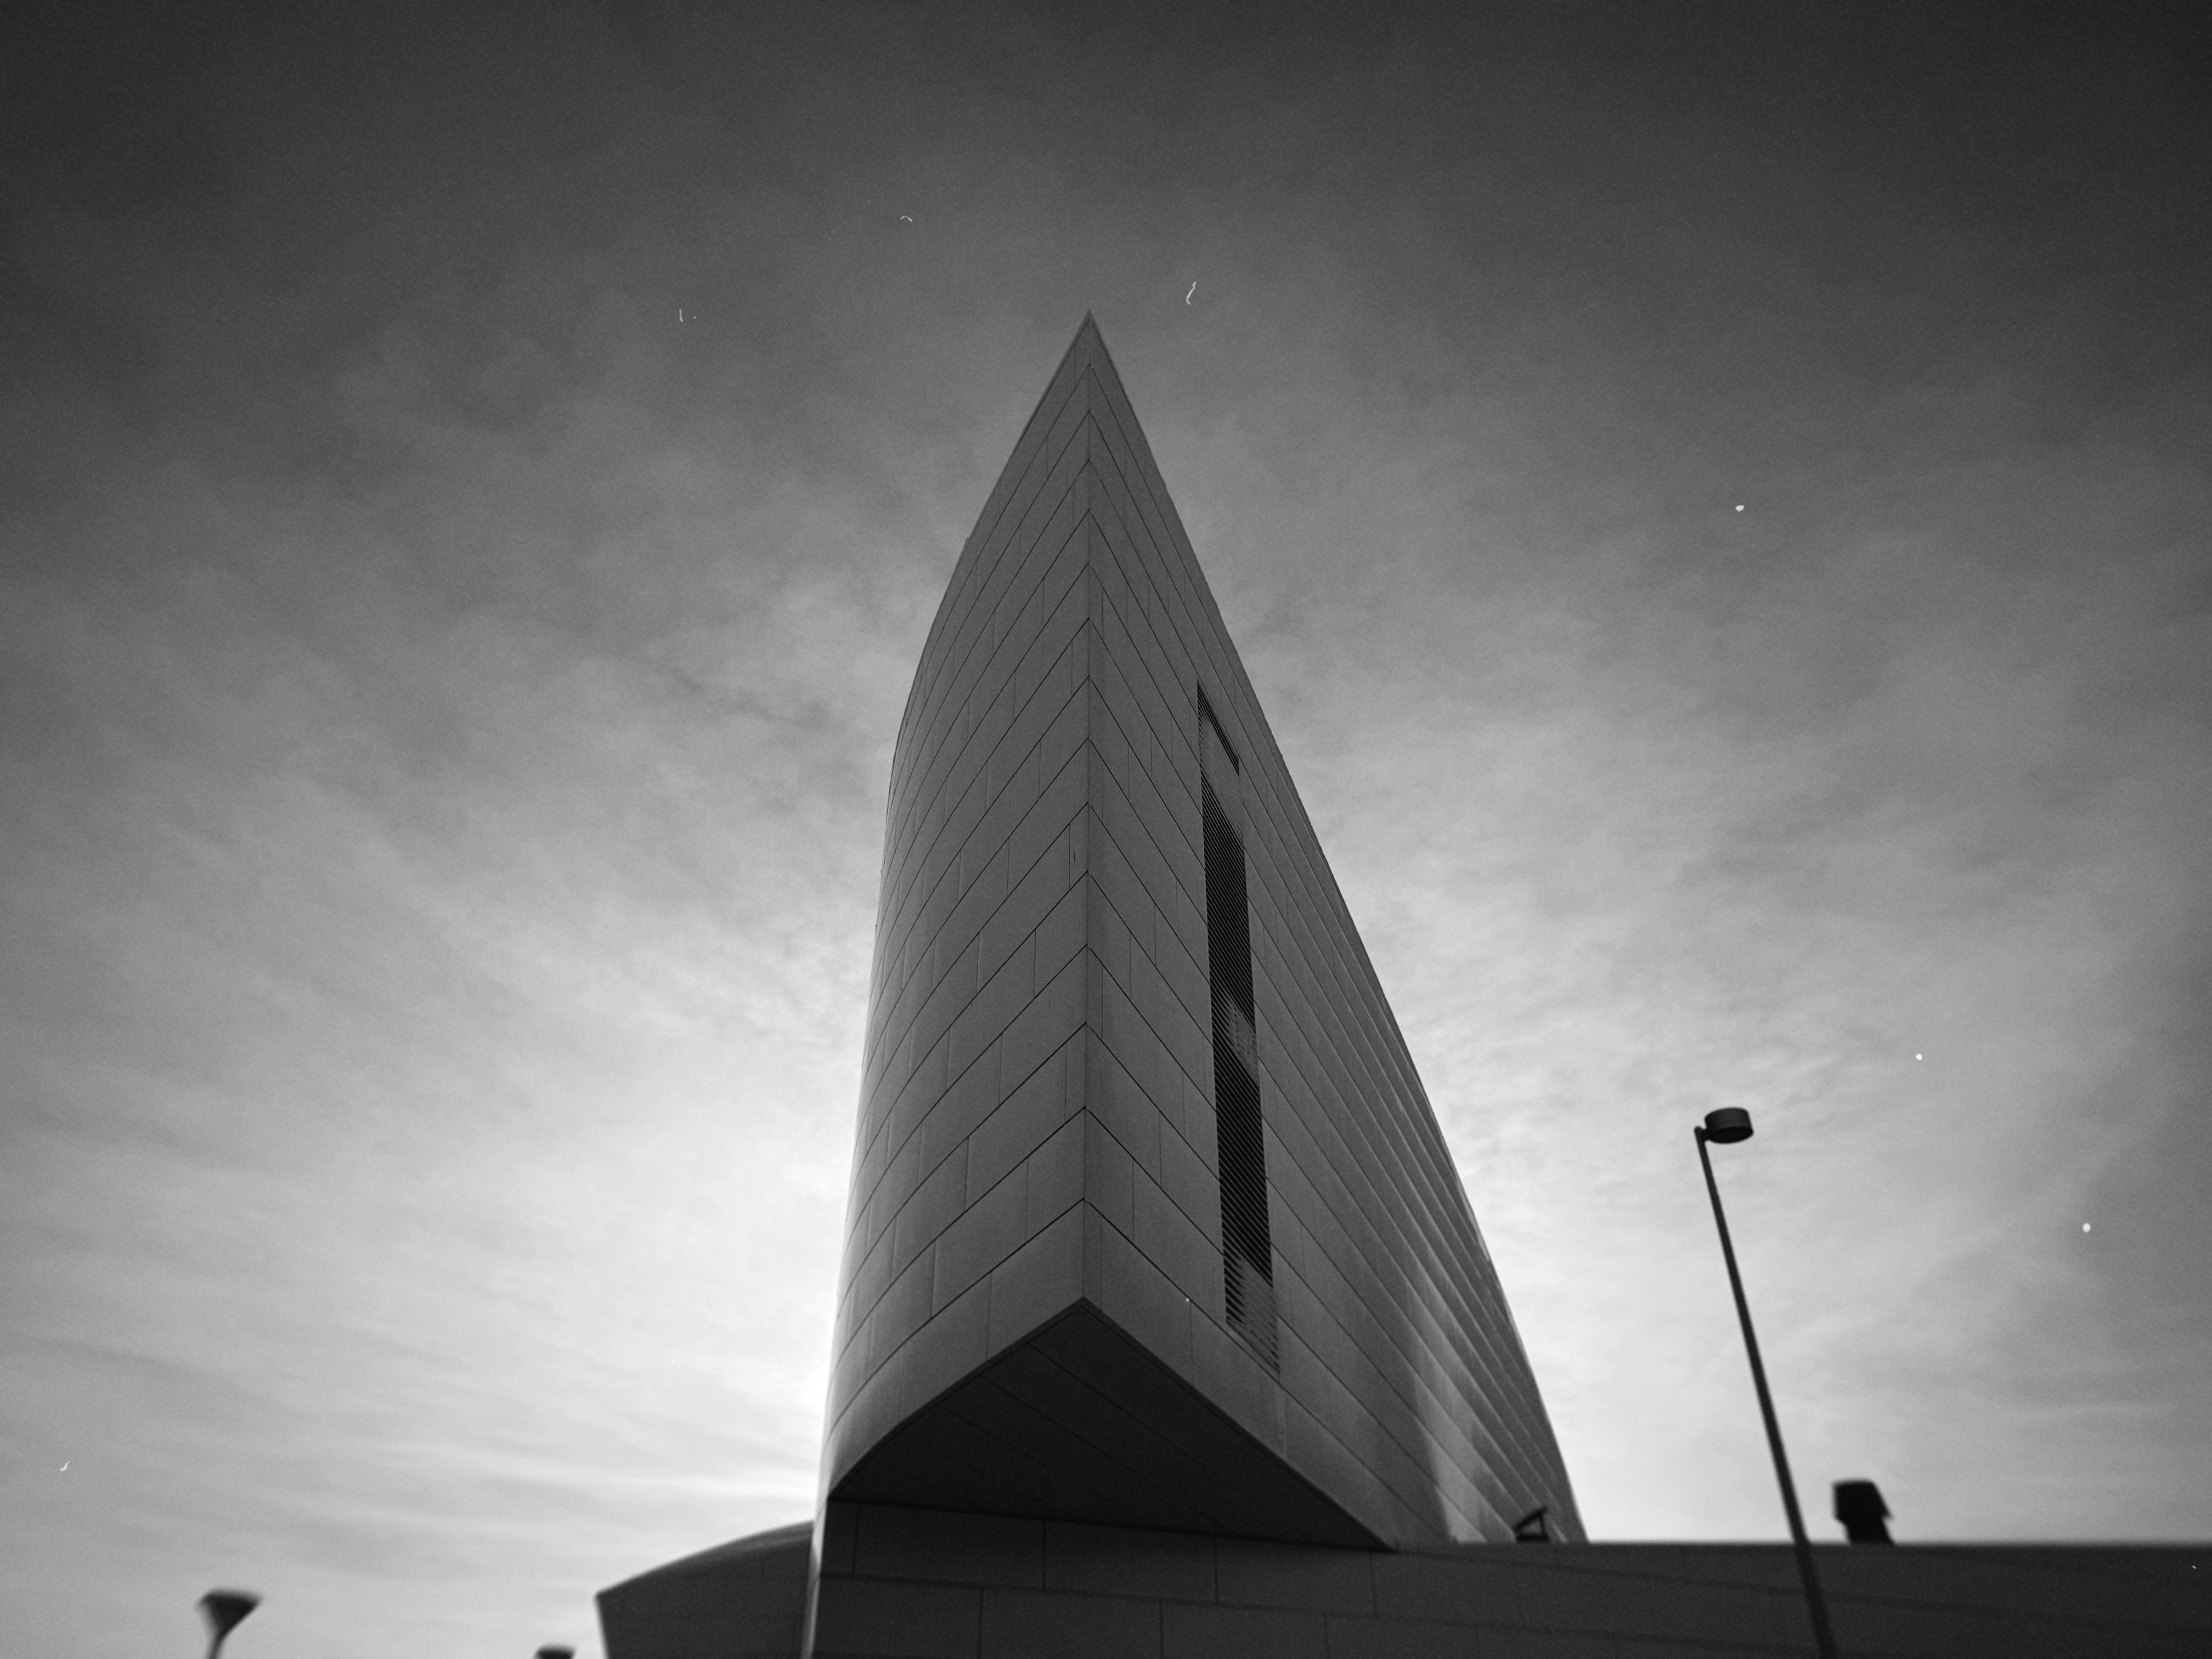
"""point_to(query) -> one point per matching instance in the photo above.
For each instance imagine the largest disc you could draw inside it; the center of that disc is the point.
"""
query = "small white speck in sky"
(909, 217)
(1739, 507)
(1920, 1056)
(2085, 1226)
(1194, 288)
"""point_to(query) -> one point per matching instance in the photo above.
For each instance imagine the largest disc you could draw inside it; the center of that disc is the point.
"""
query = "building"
(1151, 1223)
(1165, 1326)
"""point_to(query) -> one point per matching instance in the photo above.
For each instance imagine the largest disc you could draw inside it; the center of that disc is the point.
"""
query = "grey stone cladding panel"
(982, 960)
(1009, 760)
(933, 828)
(978, 581)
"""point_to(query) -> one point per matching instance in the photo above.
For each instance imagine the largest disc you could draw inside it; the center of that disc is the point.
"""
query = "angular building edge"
(1045, 1150)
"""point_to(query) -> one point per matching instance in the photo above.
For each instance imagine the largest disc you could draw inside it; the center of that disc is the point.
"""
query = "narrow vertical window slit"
(1247, 1250)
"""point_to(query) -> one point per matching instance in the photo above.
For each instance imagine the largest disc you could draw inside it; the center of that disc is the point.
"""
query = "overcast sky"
(1713, 500)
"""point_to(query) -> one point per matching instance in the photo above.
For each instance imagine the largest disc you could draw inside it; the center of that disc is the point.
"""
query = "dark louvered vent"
(1248, 1254)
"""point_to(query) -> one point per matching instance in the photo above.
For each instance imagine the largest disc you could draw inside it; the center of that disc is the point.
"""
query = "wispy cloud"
(448, 704)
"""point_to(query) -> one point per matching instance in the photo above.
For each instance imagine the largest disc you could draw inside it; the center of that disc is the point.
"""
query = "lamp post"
(223, 1608)
(1727, 1126)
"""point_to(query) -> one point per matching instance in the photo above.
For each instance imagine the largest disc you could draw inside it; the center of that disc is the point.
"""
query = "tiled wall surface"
(1037, 1125)
(746, 1599)
(908, 1584)
(965, 1227)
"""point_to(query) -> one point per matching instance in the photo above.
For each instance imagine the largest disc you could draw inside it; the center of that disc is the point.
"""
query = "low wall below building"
(899, 1584)
(746, 1599)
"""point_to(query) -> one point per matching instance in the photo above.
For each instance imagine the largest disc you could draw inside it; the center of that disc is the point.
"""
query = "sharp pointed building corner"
(1152, 1224)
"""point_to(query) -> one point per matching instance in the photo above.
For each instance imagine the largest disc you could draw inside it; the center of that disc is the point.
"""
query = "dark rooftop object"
(223, 1609)
(1860, 1508)
(1532, 1529)
(1727, 1126)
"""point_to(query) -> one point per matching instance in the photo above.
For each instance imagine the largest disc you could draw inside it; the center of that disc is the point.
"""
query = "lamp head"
(225, 1608)
(1728, 1125)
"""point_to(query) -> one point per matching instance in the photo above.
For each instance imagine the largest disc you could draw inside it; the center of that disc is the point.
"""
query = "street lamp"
(1726, 1126)
(222, 1609)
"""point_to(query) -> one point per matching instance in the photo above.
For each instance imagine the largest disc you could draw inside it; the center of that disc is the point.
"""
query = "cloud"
(448, 705)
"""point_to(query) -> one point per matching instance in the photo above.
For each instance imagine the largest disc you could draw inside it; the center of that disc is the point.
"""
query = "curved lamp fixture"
(1724, 1127)
(223, 1609)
